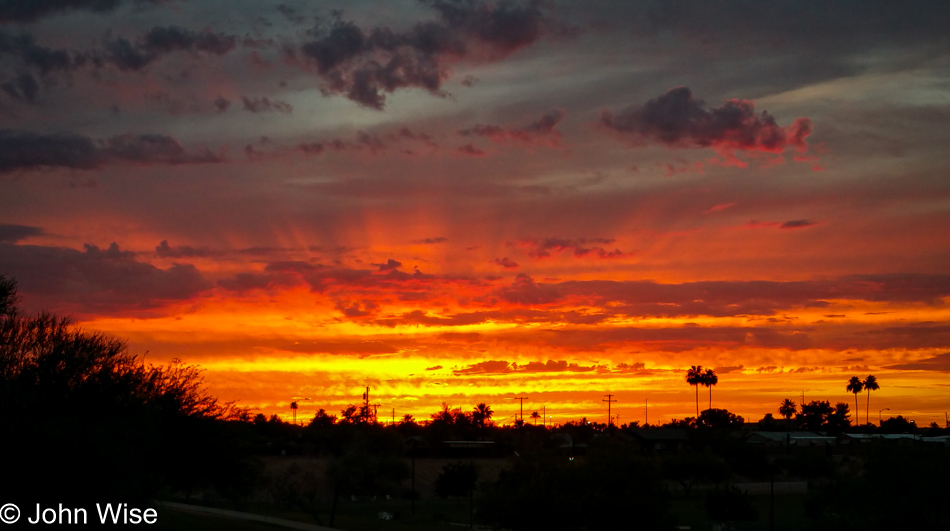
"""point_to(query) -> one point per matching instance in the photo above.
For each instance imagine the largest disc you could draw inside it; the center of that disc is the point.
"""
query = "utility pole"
(367, 405)
(544, 414)
(394, 417)
(522, 399)
(609, 399)
(646, 412)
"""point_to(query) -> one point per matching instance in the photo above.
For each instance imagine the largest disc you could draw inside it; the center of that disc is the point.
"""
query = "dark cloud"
(542, 131)
(24, 150)
(22, 87)
(506, 262)
(730, 368)
(728, 298)
(33, 10)
(244, 282)
(266, 105)
(152, 148)
(291, 14)
(471, 151)
(525, 291)
(389, 265)
(28, 63)
(374, 143)
(940, 362)
(364, 65)
(637, 366)
(676, 119)
(338, 281)
(160, 41)
(97, 280)
(222, 104)
(434, 368)
(579, 248)
(311, 148)
(183, 251)
(15, 233)
(431, 241)
(504, 367)
(797, 224)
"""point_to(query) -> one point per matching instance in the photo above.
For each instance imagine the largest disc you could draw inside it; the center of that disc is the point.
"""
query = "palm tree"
(855, 386)
(695, 376)
(787, 409)
(710, 379)
(293, 408)
(481, 416)
(535, 415)
(870, 383)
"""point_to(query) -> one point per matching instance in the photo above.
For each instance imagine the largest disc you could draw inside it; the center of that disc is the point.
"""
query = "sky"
(466, 201)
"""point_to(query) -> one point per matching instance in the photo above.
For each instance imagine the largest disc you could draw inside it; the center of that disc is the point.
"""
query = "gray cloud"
(95, 280)
(677, 119)
(15, 233)
(541, 131)
(264, 104)
(33, 10)
(25, 150)
(160, 41)
(364, 65)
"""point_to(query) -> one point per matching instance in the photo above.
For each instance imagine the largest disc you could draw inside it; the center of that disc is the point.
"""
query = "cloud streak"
(25, 150)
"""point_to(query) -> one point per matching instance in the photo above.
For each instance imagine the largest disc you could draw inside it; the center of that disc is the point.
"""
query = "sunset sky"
(464, 201)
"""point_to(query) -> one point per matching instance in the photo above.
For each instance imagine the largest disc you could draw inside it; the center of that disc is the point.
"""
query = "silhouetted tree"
(898, 424)
(444, 415)
(481, 416)
(787, 409)
(856, 386)
(694, 376)
(840, 419)
(719, 419)
(350, 415)
(293, 409)
(535, 415)
(84, 418)
(8, 297)
(870, 384)
(814, 415)
(322, 419)
(709, 380)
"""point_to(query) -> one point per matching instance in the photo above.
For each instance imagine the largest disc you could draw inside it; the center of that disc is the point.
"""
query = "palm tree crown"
(787, 409)
(481, 417)
(856, 386)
